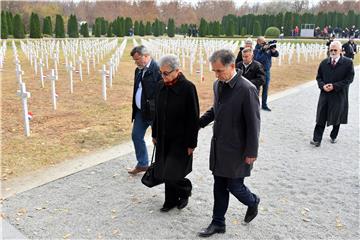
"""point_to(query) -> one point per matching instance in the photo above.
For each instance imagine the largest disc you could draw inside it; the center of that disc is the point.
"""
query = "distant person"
(247, 44)
(235, 140)
(334, 76)
(175, 131)
(143, 105)
(251, 69)
(349, 48)
(263, 53)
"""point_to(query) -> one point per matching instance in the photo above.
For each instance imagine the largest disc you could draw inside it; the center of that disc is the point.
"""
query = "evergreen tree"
(9, 21)
(257, 29)
(59, 27)
(128, 25)
(47, 26)
(141, 29)
(4, 26)
(148, 28)
(18, 27)
(136, 28)
(216, 29)
(84, 30)
(35, 31)
(109, 31)
(122, 31)
(203, 28)
(97, 27)
(230, 28)
(156, 28)
(73, 31)
(288, 24)
(171, 27)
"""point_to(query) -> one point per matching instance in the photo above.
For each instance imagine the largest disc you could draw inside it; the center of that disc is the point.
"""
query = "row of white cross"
(38, 52)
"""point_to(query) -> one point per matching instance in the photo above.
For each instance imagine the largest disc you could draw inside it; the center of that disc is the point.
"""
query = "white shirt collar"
(231, 77)
(336, 59)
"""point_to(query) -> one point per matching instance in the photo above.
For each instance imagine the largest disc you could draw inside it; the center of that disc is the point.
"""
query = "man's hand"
(250, 160)
(190, 151)
(154, 141)
(328, 87)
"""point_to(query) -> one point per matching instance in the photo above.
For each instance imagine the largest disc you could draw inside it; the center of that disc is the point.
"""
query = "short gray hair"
(170, 60)
(248, 41)
(141, 50)
(337, 43)
(225, 56)
(247, 49)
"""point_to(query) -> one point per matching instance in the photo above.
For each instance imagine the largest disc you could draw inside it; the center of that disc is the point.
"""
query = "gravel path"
(306, 192)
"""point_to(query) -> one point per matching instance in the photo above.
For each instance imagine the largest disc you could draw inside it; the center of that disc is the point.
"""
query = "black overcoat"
(175, 128)
(236, 129)
(254, 73)
(333, 106)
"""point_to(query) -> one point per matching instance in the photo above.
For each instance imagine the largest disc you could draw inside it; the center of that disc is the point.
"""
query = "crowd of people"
(337, 32)
(166, 100)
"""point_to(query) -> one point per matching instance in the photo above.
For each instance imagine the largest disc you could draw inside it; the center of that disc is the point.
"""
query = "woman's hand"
(190, 151)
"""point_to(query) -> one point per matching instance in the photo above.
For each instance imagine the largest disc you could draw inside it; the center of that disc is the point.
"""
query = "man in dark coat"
(334, 76)
(143, 106)
(248, 44)
(251, 69)
(349, 48)
(234, 145)
(175, 131)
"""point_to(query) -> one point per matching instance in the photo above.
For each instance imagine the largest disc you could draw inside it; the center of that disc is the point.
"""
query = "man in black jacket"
(235, 141)
(251, 69)
(334, 76)
(247, 44)
(349, 48)
(143, 106)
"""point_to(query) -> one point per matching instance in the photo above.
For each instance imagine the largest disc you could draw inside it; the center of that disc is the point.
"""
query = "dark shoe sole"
(316, 144)
(209, 235)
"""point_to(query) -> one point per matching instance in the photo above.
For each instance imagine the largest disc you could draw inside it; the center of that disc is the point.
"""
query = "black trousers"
(222, 187)
(319, 131)
(174, 190)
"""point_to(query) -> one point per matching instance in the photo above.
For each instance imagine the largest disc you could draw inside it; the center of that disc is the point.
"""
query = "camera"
(269, 45)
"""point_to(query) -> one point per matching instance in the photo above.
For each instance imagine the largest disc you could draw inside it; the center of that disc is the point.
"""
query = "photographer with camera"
(263, 53)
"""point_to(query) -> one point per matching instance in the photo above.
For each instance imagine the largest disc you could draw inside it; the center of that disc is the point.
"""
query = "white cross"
(80, 67)
(19, 73)
(41, 64)
(111, 67)
(103, 74)
(53, 78)
(24, 96)
(70, 69)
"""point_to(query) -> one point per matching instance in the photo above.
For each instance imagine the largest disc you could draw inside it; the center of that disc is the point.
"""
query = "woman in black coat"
(174, 131)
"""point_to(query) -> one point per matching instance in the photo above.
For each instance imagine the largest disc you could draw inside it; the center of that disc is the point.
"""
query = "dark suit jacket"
(236, 129)
(148, 82)
(333, 106)
(254, 73)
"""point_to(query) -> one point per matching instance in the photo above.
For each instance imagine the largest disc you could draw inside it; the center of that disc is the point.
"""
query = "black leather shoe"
(167, 208)
(211, 229)
(252, 212)
(266, 109)
(183, 202)
(333, 140)
(315, 143)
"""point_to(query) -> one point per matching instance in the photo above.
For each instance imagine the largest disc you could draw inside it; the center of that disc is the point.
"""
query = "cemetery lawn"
(83, 122)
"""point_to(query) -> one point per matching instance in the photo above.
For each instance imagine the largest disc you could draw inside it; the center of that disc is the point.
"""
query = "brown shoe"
(137, 170)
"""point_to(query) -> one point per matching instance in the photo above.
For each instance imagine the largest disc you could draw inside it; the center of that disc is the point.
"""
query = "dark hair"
(141, 50)
(225, 56)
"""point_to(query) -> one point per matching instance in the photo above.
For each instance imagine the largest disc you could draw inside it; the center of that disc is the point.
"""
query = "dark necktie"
(333, 63)
(138, 78)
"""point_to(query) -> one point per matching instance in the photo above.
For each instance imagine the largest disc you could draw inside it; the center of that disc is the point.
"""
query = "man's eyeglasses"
(333, 50)
(166, 73)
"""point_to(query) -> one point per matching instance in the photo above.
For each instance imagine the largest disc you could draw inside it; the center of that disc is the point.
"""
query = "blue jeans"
(222, 187)
(138, 132)
(265, 89)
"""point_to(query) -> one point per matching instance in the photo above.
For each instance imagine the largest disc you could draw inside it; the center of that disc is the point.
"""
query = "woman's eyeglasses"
(166, 73)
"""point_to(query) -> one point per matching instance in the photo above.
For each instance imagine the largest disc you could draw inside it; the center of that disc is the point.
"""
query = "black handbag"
(149, 178)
